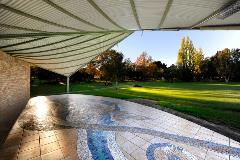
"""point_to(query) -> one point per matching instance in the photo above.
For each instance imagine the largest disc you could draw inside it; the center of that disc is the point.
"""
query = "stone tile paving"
(89, 127)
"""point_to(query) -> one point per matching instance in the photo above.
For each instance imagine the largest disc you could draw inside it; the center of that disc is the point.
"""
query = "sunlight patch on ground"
(188, 94)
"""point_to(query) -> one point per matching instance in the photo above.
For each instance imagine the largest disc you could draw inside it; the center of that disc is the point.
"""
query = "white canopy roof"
(64, 35)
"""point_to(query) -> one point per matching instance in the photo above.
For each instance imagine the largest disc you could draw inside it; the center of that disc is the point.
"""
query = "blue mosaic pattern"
(97, 144)
(97, 140)
(220, 148)
(169, 151)
(99, 118)
(108, 123)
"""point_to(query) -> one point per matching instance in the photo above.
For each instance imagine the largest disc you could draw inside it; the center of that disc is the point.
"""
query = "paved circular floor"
(90, 127)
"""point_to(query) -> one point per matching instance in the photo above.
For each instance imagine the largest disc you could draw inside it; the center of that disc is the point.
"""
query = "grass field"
(215, 102)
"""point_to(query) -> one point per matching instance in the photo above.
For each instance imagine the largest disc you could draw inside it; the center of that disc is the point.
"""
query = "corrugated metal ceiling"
(64, 35)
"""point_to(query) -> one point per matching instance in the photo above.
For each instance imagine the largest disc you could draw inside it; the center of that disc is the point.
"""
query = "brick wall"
(14, 91)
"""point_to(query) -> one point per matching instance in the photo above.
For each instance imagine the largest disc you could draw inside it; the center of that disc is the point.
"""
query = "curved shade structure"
(64, 35)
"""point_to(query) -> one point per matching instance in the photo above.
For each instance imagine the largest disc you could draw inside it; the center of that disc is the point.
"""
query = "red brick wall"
(14, 90)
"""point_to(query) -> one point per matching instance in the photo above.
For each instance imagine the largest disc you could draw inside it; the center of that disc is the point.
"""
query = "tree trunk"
(116, 81)
(226, 79)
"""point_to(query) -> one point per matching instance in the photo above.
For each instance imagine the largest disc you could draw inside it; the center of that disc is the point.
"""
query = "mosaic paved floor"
(89, 127)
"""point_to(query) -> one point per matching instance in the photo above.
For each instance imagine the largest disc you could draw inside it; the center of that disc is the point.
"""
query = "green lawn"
(215, 102)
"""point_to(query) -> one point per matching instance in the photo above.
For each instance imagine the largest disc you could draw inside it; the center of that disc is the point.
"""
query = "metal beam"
(134, 10)
(99, 53)
(32, 57)
(81, 64)
(72, 15)
(221, 27)
(94, 55)
(22, 49)
(68, 84)
(169, 4)
(24, 35)
(53, 49)
(20, 43)
(20, 28)
(213, 15)
(45, 68)
(104, 14)
(36, 18)
(73, 59)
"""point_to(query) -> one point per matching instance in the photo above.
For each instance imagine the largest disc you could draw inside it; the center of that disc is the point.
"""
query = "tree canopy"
(191, 65)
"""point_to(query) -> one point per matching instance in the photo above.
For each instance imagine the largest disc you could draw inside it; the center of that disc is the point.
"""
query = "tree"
(208, 69)
(144, 59)
(160, 69)
(110, 64)
(189, 60)
(46, 76)
(185, 59)
(235, 54)
(171, 73)
(91, 71)
(197, 60)
(185, 53)
(223, 62)
(81, 75)
(143, 65)
(129, 69)
(151, 71)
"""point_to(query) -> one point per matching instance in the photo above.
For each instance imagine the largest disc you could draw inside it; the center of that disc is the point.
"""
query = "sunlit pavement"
(89, 127)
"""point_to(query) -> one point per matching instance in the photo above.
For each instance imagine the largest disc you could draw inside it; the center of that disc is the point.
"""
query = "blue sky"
(164, 45)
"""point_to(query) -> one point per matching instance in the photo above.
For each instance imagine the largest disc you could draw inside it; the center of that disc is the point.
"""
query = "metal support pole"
(68, 85)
